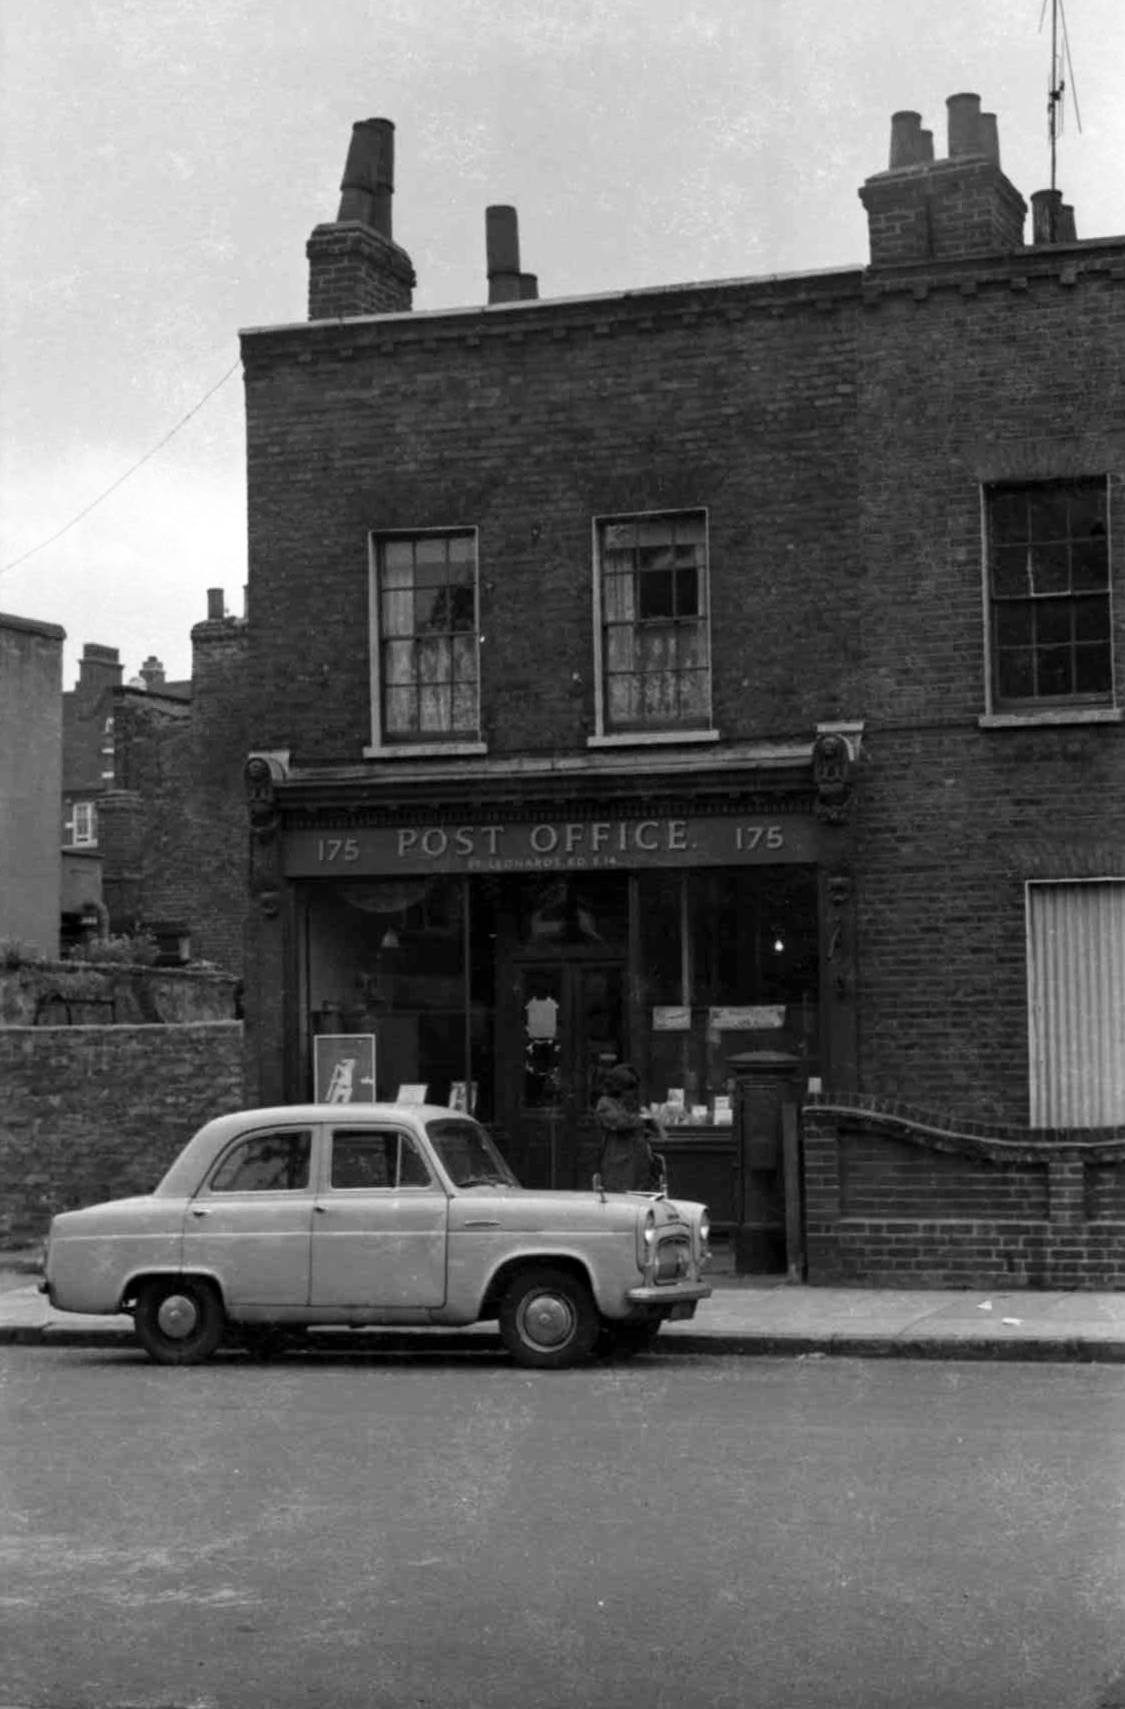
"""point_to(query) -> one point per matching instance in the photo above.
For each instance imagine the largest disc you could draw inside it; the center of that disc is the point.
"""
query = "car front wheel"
(548, 1319)
(179, 1321)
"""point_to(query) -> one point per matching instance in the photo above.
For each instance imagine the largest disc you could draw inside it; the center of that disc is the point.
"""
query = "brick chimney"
(355, 267)
(506, 284)
(99, 668)
(152, 672)
(922, 209)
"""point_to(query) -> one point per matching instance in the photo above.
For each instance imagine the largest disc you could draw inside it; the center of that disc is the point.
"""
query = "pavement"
(745, 1315)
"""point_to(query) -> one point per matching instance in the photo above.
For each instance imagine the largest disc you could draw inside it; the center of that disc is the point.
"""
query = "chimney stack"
(506, 284)
(355, 266)
(1052, 219)
(922, 209)
(99, 668)
(152, 672)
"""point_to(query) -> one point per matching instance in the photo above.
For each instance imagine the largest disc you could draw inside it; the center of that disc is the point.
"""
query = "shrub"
(130, 949)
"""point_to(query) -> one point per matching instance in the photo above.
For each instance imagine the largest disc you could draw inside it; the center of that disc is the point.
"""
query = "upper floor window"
(654, 641)
(1049, 594)
(81, 826)
(425, 645)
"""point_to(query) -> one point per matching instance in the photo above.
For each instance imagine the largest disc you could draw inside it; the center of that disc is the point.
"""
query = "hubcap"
(548, 1320)
(177, 1317)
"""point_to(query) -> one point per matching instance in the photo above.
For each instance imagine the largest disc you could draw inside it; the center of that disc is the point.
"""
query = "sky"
(162, 163)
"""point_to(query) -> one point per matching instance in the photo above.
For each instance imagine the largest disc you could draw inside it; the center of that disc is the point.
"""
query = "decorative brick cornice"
(998, 1142)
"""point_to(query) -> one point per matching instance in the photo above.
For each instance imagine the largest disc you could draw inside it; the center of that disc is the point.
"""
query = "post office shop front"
(504, 959)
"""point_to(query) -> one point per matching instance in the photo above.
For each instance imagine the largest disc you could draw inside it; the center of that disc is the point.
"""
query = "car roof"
(185, 1174)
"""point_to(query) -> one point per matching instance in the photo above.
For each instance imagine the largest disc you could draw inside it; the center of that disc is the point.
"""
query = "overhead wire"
(121, 479)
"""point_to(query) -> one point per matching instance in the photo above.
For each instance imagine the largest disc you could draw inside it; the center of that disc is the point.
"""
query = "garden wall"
(896, 1197)
(98, 1112)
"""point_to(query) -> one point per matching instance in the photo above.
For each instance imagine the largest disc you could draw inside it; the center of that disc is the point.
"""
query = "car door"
(250, 1223)
(379, 1222)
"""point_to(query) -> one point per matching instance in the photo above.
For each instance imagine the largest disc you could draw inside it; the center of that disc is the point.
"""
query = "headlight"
(704, 1229)
(646, 1237)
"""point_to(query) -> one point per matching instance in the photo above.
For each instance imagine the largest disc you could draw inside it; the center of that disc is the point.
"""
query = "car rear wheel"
(548, 1318)
(179, 1321)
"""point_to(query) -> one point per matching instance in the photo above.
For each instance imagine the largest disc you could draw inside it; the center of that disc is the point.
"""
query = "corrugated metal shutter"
(1076, 1003)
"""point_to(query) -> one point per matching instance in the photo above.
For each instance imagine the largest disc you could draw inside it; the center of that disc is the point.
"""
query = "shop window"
(653, 638)
(425, 642)
(1076, 1003)
(1049, 595)
(729, 962)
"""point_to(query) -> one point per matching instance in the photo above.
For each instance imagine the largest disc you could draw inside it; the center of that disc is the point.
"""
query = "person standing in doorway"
(626, 1163)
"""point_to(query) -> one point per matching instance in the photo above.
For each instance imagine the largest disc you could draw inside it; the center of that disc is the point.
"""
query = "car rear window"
(265, 1163)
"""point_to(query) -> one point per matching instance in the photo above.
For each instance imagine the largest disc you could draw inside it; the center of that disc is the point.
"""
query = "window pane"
(1053, 622)
(1093, 670)
(655, 597)
(398, 662)
(398, 562)
(1011, 570)
(620, 647)
(623, 699)
(691, 528)
(412, 1171)
(1013, 625)
(1048, 509)
(398, 611)
(1091, 619)
(268, 1163)
(360, 1160)
(465, 659)
(1090, 563)
(1007, 513)
(618, 596)
(1053, 670)
(462, 550)
(402, 711)
(687, 592)
(654, 533)
(1088, 509)
(617, 535)
(462, 606)
(464, 706)
(1015, 677)
(1050, 567)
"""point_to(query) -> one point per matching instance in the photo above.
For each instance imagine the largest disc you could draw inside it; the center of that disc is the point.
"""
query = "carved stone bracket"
(261, 775)
(834, 756)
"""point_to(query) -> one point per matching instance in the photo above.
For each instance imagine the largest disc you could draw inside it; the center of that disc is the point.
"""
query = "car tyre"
(179, 1320)
(548, 1319)
(626, 1340)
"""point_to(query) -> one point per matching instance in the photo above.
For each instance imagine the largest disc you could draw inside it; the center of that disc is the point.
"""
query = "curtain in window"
(1076, 1003)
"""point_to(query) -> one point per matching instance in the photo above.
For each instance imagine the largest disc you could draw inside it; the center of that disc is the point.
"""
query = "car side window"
(266, 1163)
(376, 1158)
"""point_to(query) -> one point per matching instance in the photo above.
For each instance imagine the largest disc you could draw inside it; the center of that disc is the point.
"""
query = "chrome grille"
(673, 1259)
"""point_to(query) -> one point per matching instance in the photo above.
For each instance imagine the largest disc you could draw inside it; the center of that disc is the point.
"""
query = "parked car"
(274, 1221)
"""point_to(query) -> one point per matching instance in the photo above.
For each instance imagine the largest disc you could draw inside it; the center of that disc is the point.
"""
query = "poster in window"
(344, 1068)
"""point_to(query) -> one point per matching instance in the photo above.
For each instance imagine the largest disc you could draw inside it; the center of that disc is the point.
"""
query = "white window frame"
(82, 825)
(1055, 1087)
(382, 746)
(1043, 712)
(664, 736)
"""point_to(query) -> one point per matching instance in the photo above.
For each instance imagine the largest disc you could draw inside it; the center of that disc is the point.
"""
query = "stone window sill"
(651, 738)
(427, 750)
(1062, 715)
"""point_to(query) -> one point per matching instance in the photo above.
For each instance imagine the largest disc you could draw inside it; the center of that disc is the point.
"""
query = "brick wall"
(896, 1196)
(92, 1113)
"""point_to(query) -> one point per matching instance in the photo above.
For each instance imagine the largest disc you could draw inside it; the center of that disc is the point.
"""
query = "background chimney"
(922, 209)
(216, 609)
(355, 267)
(152, 672)
(506, 284)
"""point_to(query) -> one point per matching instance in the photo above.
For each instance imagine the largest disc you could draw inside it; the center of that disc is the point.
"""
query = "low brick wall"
(895, 1196)
(92, 1113)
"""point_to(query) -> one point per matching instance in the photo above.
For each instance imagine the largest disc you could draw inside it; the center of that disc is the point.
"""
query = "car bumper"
(668, 1294)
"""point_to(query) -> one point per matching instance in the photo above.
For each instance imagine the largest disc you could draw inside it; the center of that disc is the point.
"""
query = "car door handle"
(483, 1222)
(320, 1209)
(199, 1210)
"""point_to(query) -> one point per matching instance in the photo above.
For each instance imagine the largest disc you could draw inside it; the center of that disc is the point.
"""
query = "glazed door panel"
(566, 1024)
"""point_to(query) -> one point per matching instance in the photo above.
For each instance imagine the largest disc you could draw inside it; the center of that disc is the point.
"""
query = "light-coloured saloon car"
(276, 1220)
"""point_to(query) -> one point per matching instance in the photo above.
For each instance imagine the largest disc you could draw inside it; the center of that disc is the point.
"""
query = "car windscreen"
(467, 1153)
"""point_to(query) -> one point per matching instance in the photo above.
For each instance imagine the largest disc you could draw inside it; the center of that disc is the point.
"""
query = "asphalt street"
(446, 1531)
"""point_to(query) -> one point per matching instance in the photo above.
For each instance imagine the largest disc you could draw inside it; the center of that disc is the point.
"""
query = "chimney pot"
(1046, 206)
(927, 139)
(964, 124)
(906, 140)
(368, 182)
(1068, 232)
(215, 609)
(989, 136)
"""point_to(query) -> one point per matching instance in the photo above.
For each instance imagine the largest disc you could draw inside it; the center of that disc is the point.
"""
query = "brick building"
(722, 676)
(30, 782)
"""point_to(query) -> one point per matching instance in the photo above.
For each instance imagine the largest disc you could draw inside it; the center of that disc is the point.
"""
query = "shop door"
(566, 1026)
